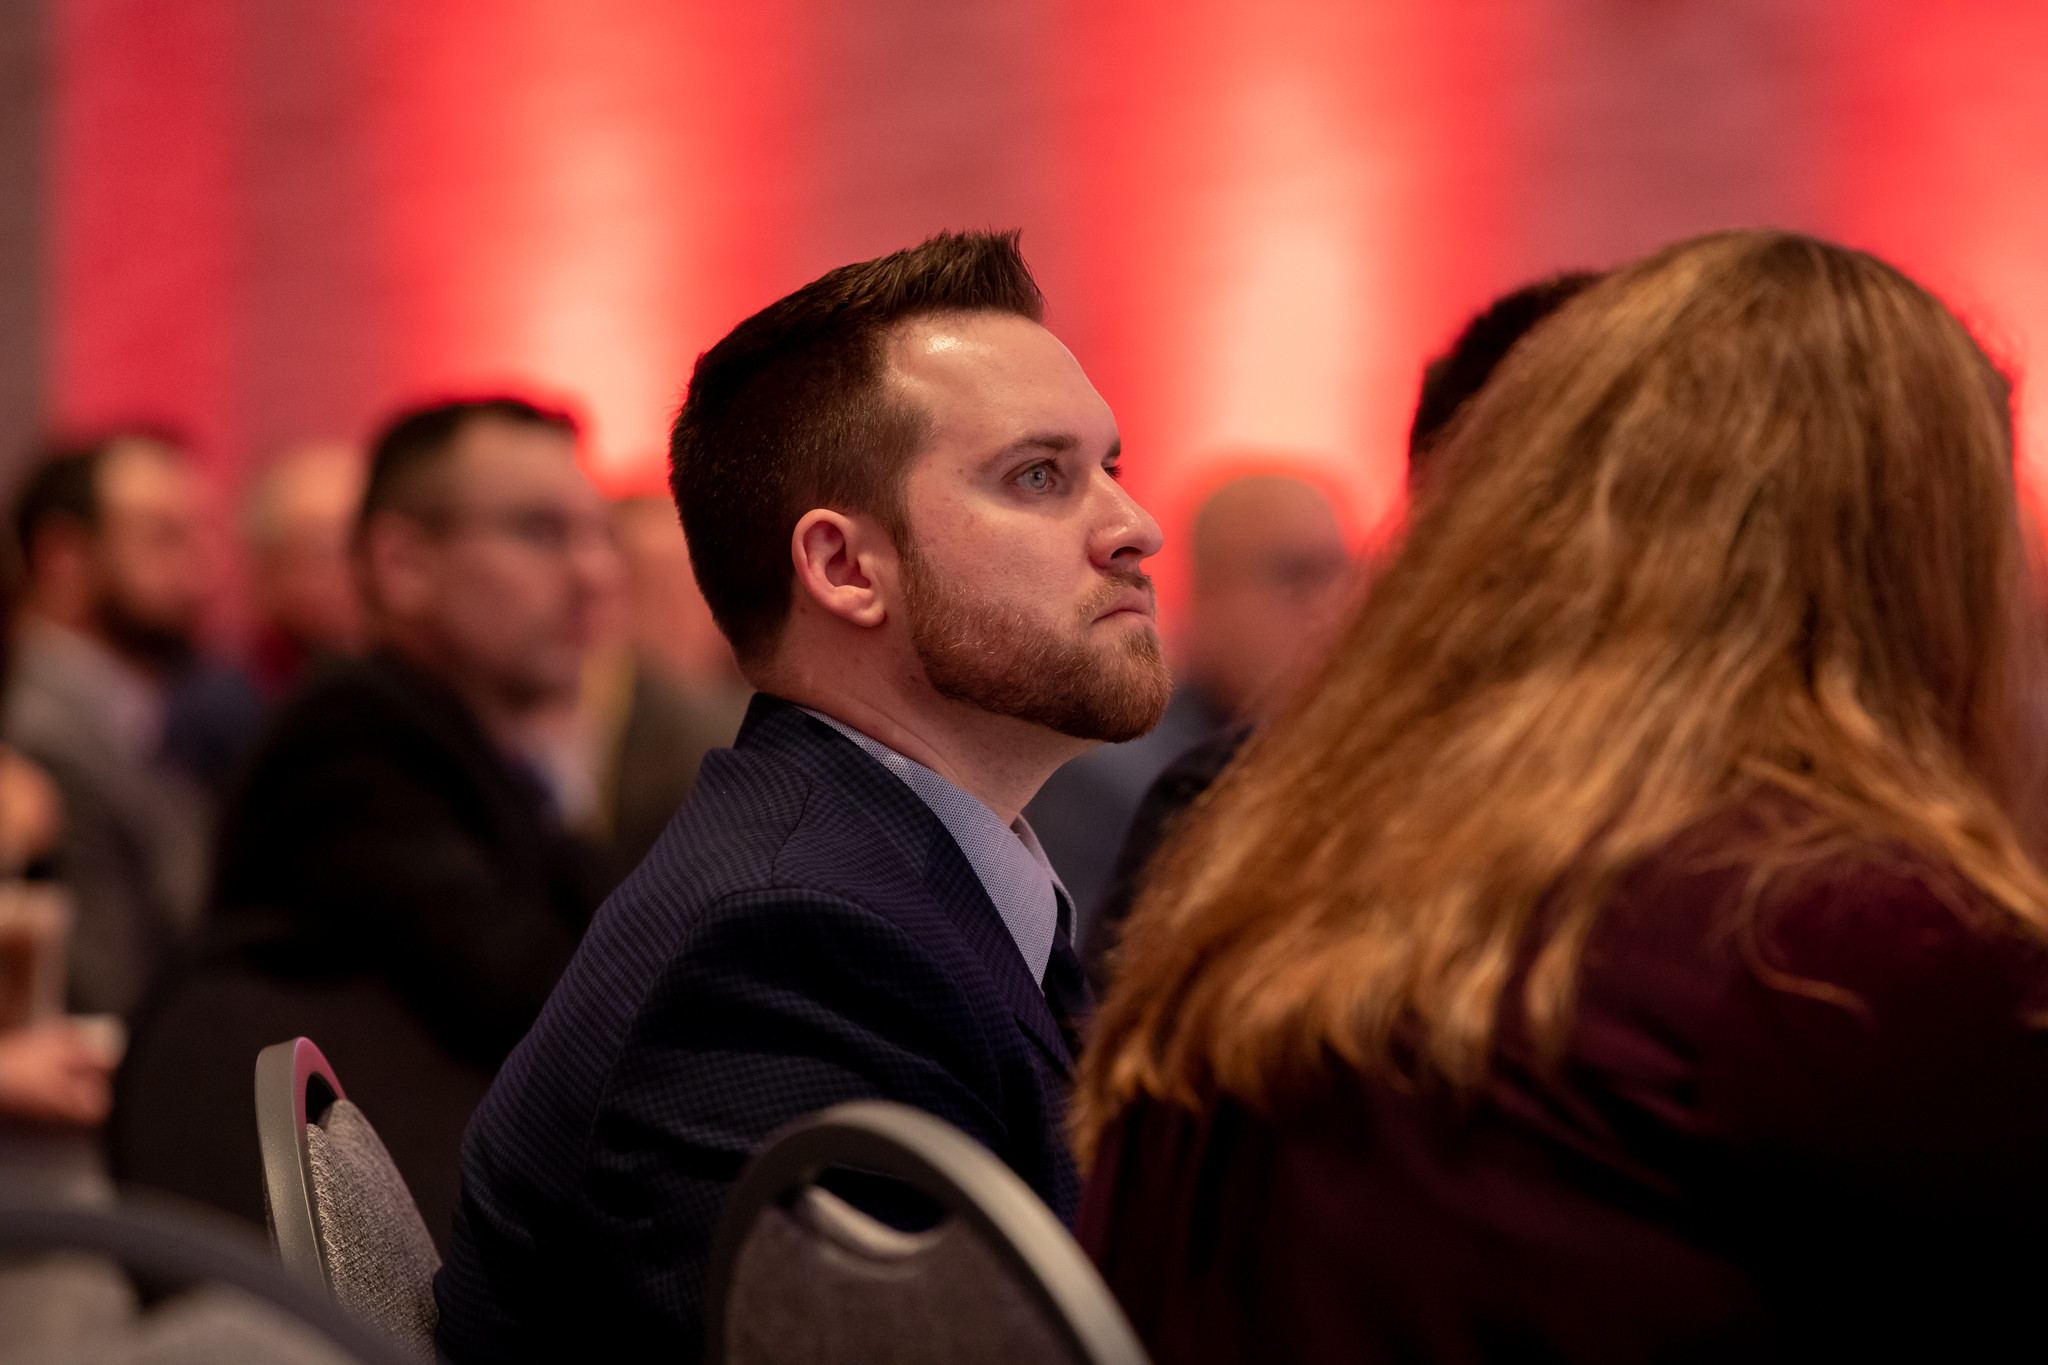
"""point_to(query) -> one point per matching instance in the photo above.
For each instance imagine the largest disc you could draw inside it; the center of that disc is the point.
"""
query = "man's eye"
(1038, 478)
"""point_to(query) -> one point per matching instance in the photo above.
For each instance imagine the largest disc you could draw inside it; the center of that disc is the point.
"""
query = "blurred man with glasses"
(395, 880)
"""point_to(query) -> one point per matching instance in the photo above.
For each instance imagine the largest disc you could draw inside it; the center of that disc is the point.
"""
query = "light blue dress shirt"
(1011, 866)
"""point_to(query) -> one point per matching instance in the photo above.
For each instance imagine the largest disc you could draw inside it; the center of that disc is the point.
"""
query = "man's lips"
(1132, 602)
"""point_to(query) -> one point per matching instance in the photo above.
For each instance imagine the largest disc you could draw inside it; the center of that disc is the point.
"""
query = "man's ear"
(392, 567)
(841, 564)
(60, 567)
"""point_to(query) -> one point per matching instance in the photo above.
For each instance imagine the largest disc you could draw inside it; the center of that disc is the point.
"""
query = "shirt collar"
(1007, 859)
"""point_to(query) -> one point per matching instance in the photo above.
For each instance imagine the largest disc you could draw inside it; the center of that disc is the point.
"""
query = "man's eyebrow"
(1044, 442)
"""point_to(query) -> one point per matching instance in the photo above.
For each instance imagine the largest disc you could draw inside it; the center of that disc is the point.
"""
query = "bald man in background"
(1271, 576)
(1271, 580)
(297, 524)
(1231, 633)
(296, 520)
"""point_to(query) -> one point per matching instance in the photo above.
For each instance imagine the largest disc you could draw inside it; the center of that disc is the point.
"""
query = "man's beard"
(994, 657)
(164, 649)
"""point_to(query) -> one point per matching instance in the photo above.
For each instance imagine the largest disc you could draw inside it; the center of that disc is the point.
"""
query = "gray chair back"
(178, 1249)
(800, 1277)
(339, 1211)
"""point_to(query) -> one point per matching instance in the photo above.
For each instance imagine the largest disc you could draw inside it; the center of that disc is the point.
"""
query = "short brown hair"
(788, 413)
(414, 446)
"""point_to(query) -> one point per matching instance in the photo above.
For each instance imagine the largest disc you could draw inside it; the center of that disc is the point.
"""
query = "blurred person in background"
(660, 694)
(297, 517)
(394, 877)
(1242, 638)
(1271, 580)
(1633, 947)
(31, 812)
(52, 1070)
(670, 624)
(297, 522)
(1271, 576)
(114, 583)
(55, 1089)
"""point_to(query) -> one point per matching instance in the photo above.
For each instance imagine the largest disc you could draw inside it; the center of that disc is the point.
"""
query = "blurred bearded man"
(394, 877)
(902, 503)
(109, 539)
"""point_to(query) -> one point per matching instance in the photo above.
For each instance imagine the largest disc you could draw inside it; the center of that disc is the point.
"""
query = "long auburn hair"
(1740, 518)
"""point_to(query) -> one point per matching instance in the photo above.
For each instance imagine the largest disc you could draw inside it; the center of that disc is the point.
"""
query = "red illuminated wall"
(1254, 219)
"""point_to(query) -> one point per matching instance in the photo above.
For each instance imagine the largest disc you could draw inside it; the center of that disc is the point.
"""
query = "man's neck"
(999, 760)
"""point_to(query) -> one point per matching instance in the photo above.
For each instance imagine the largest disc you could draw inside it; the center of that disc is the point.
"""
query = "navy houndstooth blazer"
(805, 932)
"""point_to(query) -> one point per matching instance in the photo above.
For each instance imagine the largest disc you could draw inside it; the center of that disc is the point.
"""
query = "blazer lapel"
(952, 881)
(774, 725)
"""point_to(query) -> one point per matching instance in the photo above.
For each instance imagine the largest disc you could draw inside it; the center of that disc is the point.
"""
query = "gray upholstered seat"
(340, 1212)
(380, 1261)
(801, 1277)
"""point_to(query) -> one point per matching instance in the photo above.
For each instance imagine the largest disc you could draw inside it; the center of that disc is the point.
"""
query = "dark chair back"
(801, 1277)
(339, 1211)
(180, 1250)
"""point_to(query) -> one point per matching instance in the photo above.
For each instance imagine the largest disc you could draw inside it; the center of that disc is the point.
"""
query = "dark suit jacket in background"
(388, 885)
(1723, 1167)
(1158, 816)
(805, 932)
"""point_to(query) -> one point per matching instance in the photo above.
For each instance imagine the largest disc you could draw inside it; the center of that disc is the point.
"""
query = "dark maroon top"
(1721, 1169)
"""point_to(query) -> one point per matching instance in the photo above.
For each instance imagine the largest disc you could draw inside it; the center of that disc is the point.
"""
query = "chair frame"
(175, 1247)
(285, 1072)
(906, 1144)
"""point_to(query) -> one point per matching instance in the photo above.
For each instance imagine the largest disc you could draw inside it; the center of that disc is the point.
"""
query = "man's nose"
(595, 561)
(1128, 535)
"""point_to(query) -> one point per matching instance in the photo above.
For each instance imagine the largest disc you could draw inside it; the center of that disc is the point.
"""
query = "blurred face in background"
(668, 620)
(505, 586)
(146, 563)
(1272, 582)
(299, 518)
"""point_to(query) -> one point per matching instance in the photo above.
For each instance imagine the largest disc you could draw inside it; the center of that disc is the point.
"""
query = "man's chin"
(1126, 695)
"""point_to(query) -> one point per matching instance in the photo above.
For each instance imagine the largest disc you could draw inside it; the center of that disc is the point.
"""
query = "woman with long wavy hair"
(1631, 946)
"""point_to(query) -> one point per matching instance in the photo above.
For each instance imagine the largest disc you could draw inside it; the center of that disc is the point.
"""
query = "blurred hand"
(30, 812)
(55, 1072)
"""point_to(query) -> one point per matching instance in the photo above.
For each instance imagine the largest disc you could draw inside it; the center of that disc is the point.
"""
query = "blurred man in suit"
(1271, 578)
(902, 504)
(109, 537)
(394, 880)
(1254, 565)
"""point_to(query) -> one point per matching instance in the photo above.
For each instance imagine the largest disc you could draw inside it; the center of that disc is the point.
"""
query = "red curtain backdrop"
(1254, 219)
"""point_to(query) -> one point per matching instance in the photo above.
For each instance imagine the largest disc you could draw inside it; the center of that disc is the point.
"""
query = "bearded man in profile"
(902, 503)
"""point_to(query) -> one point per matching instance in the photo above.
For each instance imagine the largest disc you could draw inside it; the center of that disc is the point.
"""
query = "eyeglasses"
(544, 530)
(1302, 575)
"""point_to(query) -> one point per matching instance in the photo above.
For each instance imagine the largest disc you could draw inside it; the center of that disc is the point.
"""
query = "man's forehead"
(489, 433)
(142, 467)
(940, 343)
(994, 370)
(488, 453)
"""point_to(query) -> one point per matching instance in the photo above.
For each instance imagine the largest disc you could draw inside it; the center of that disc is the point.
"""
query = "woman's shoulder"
(1877, 1010)
(1749, 892)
